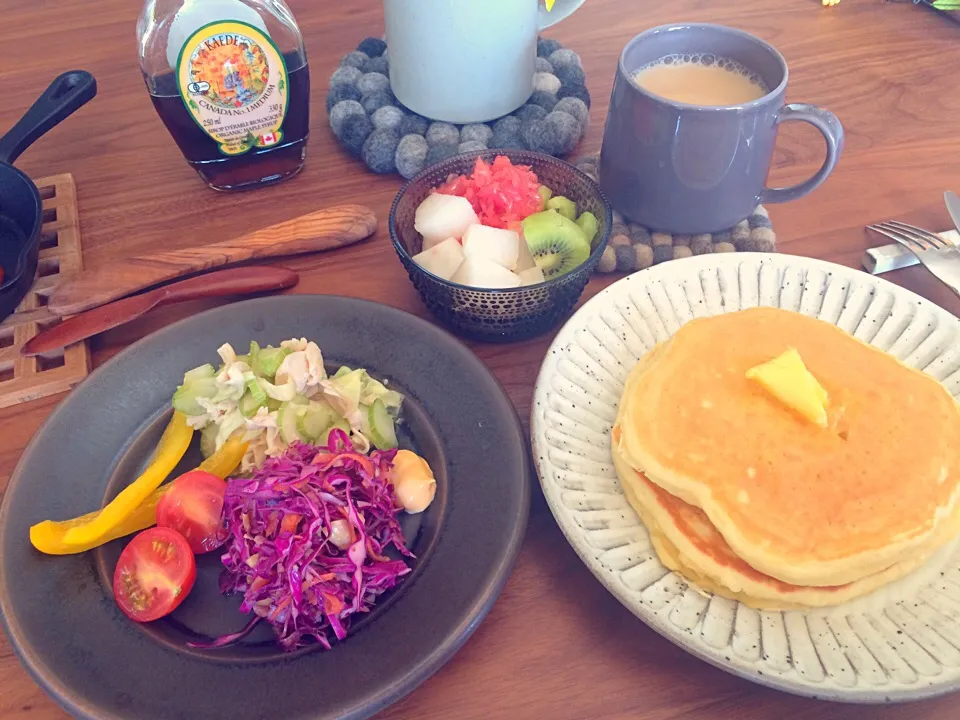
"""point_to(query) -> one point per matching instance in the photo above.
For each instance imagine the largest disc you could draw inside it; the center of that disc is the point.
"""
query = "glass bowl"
(503, 314)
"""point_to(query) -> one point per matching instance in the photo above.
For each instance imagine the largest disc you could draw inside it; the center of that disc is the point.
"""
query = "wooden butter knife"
(235, 281)
(322, 230)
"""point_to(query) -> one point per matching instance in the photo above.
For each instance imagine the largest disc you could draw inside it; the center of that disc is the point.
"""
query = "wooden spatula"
(233, 281)
(322, 230)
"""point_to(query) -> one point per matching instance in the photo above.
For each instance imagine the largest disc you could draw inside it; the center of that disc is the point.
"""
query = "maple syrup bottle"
(229, 79)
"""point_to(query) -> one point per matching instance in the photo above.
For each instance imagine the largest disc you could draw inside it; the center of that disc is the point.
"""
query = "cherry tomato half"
(192, 507)
(155, 572)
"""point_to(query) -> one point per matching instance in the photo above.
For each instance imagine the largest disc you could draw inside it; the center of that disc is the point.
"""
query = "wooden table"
(556, 645)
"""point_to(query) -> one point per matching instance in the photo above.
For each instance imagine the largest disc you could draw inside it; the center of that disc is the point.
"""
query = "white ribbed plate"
(901, 642)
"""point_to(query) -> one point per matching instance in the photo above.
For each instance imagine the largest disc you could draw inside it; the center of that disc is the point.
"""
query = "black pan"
(21, 208)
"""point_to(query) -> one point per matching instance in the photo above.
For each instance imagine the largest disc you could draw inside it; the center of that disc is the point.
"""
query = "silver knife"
(953, 207)
(944, 264)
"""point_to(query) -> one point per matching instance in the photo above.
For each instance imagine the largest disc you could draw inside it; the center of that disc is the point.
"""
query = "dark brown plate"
(59, 611)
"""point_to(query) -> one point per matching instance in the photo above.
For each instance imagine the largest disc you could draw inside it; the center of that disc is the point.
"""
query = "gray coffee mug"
(692, 169)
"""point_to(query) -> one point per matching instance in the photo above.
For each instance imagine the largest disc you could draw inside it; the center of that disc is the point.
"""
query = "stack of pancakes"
(750, 500)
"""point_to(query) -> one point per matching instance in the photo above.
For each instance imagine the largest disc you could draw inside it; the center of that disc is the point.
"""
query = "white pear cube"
(443, 259)
(433, 242)
(443, 216)
(486, 274)
(531, 276)
(487, 243)
(525, 259)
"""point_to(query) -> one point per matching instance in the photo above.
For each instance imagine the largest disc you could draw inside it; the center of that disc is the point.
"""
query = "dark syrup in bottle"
(260, 166)
(231, 83)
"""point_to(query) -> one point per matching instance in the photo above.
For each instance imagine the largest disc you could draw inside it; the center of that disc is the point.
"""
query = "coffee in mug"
(700, 80)
(687, 149)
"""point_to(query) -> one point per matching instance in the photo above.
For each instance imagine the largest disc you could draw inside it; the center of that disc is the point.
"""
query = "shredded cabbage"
(287, 548)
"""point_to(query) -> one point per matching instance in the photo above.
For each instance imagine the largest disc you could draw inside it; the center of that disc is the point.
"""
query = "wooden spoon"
(322, 230)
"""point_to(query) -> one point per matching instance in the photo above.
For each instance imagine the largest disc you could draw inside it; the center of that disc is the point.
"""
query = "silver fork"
(940, 257)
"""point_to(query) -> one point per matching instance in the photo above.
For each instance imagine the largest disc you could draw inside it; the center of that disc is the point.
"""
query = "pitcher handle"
(562, 9)
(831, 129)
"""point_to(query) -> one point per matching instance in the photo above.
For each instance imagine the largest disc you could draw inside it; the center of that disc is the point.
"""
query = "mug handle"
(831, 129)
(562, 9)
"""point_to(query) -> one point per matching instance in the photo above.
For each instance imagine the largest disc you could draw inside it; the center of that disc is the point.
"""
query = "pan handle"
(65, 95)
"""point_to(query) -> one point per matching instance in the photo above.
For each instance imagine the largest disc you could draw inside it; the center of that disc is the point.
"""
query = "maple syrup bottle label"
(233, 81)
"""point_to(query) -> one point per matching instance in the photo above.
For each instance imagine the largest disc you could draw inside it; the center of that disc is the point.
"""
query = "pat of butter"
(788, 380)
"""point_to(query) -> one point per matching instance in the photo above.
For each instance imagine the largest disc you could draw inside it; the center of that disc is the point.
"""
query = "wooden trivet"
(61, 255)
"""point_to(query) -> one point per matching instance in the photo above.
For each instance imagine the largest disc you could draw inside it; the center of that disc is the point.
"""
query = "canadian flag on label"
(268, 139)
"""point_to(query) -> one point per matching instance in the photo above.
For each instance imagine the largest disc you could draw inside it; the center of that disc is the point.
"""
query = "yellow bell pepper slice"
(227, 459)
(173, 445)
(48, 536)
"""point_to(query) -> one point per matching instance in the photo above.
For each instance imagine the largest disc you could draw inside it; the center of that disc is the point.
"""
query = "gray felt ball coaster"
(372, 125)
(633, 247)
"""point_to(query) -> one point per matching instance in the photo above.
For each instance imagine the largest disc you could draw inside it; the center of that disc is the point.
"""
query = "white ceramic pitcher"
(466, 61)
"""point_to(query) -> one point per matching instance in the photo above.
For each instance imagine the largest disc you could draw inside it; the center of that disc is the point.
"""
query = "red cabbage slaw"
(280, 554)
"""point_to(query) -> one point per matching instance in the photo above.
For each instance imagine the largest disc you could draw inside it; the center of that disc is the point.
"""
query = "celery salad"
(279, 395)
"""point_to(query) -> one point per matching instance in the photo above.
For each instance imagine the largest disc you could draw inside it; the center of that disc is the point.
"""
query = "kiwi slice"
(557, 244)
(545, 193)
(588, 223)
(564, 206)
